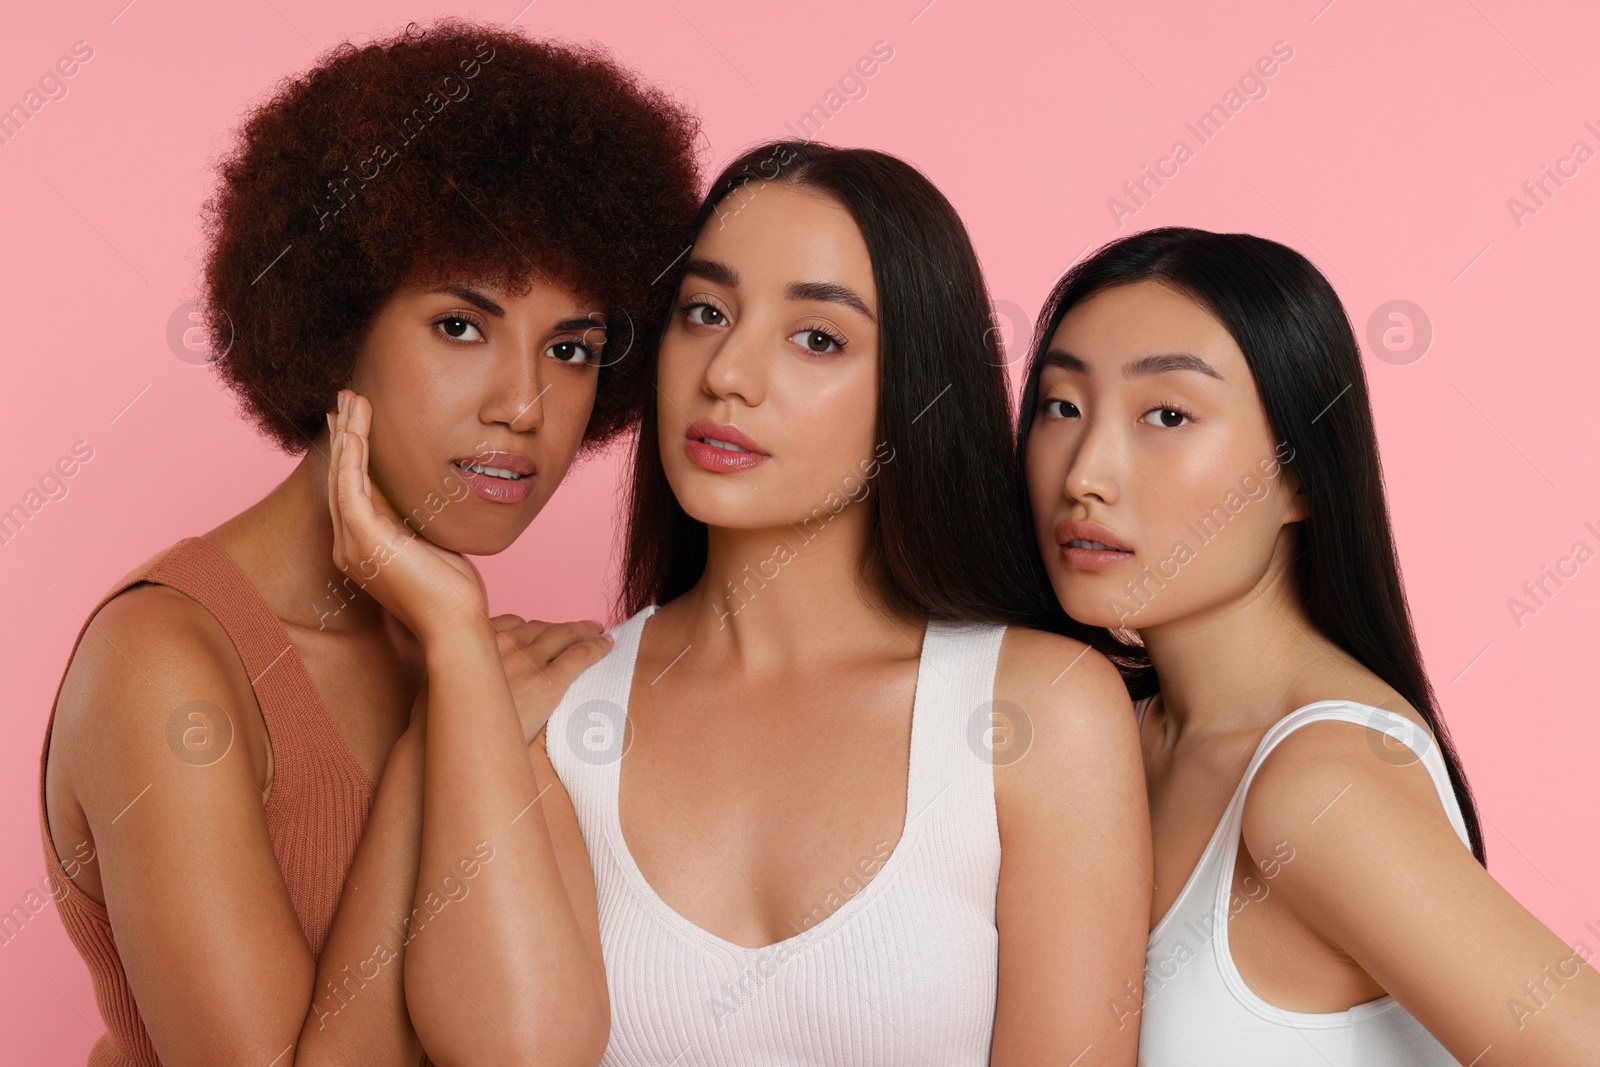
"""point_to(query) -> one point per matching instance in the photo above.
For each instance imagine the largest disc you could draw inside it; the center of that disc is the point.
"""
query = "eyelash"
(472, 320)
(1160, 406)
(688, 306)
(591, 357)
(829, 334)
(457, 316)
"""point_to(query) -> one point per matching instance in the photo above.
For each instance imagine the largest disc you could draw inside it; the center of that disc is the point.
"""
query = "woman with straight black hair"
(793, 775)
(819, 509)
(842, 719)
(1338, 911)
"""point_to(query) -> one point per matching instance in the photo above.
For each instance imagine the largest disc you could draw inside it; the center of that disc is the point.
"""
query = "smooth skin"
(213, 950)
(1380, 889)
(771, 730)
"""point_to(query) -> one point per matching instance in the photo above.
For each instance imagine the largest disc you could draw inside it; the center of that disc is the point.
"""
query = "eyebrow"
(712, 271)
(474, 297)
(1141, 367)
(826, 292)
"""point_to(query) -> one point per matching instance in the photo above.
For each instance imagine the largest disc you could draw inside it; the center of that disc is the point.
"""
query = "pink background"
(1385, 149)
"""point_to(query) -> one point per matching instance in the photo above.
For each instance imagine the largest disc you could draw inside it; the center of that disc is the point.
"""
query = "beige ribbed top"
(318, 804)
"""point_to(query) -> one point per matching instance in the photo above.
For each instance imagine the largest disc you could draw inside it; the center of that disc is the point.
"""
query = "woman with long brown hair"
(830, 799)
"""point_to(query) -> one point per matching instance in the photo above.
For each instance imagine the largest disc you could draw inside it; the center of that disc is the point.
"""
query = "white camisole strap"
(897, 967)
(1197, 1009)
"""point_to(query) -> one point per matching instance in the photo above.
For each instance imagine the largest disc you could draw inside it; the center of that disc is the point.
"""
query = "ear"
(1299, 507)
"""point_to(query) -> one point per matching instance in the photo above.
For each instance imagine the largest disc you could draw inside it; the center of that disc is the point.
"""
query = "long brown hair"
(945, 539)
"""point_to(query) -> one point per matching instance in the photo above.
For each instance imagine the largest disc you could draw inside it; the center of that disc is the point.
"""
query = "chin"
(474, 539)
(711, 498)
(715, 512)
(1092, 607)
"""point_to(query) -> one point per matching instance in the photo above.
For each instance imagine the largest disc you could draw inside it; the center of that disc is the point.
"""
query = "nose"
(516, 397)
(1094, 472)
(737, 367)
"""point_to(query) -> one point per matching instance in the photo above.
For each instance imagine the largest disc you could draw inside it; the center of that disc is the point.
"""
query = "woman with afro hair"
(241, 780)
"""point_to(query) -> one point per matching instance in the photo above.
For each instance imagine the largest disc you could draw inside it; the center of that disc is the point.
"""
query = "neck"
(777, 598)
(284, 543)
(1235, 664)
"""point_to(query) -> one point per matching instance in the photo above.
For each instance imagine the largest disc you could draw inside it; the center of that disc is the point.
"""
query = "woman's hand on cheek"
(431, 590)
(541, 659)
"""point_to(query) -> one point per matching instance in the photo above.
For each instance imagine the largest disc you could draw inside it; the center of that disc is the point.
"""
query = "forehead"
(1125, 322)
(773, 231)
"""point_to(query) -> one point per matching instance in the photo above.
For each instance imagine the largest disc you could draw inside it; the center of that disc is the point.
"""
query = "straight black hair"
(1297, 340)
(944, 539)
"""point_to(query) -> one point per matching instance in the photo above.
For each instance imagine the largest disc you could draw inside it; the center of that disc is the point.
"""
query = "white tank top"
(901, 970)
(1197, 1010)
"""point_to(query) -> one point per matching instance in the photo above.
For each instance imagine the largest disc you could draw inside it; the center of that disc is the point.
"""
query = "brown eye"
(817, 342)
(1171, 418)
(570, 352)
(458, 329)
(705, 315)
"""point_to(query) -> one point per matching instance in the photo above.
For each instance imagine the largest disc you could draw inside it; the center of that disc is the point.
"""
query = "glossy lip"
(508, 461)
(720, 460)
(1090, 559)
(498, 490)
(721, 431)
(1085, 530)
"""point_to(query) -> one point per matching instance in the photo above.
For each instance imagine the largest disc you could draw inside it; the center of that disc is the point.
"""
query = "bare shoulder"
(1070, 701)
(1351, 792)
(146, 639)
(1061, 676)
(1336, 757)
(1069, 795)
(149, 652)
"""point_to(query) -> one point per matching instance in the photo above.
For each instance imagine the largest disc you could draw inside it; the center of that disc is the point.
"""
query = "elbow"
(585, 1046)
(575, 1040)
(463, 1034)
(556, 1043)
(514, 1050)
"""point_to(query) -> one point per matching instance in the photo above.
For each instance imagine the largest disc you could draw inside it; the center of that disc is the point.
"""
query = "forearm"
(501, 972)
(358, 1009)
